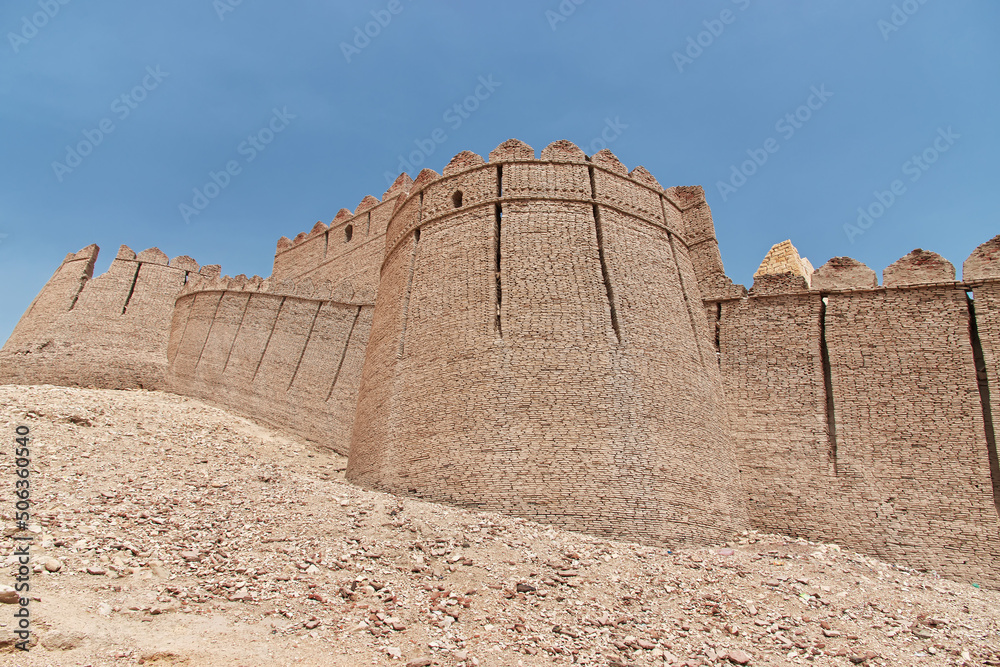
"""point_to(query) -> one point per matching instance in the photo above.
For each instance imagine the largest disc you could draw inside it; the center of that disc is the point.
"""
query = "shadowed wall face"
(291, 362)
(542, 350)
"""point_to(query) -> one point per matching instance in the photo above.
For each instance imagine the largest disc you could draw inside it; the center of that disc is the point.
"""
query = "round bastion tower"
(539, 347)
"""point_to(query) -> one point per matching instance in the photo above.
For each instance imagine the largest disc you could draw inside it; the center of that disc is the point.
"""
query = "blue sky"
(691, 91)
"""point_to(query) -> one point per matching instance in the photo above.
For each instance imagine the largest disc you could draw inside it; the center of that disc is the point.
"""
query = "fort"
(555, 337)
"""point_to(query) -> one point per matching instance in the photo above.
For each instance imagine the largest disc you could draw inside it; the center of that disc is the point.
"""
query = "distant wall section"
(347, 253)
(290, 360)
(110, 331)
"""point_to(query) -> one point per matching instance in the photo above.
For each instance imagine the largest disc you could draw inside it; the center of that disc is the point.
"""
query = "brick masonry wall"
(913, 472)
(555, 406)
(556, 338)
(286, 360)
(902, 467)
(348, 253)
(110, 331)
(771, 361)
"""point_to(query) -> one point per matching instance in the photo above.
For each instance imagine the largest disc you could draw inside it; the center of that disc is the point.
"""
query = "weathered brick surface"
(556, 338)
(887, 449)
(290, 361)
(109, 331)
(542, 411)
(913, 472)
(772, 365)
(843, 273)
(920, 266)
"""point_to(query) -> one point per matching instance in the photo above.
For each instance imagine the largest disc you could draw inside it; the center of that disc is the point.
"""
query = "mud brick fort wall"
(531, 312)
(554, 336)
(110, 331)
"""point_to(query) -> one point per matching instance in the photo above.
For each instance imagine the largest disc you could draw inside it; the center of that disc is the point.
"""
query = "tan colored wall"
(913, 475)
(290, 361)
(771, 361)
(622, 385)
(325, 255)
(549, 416)
(905, 471)
(110, 331)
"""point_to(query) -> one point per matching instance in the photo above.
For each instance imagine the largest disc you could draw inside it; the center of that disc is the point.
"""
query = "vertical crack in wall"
(239, 328)
(268, 342)
(605, 274)
(687, 301)
(368, 227)
(498, 279)
(131, 291)
(343, 353)
(211, 324)
(718, 332)
(824, 355)
(312, 325)
(982, 379)
(187, 320)
(72, 304)
(409, 277)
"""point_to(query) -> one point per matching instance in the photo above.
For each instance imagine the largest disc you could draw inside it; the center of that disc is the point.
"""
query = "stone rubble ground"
(170, 532)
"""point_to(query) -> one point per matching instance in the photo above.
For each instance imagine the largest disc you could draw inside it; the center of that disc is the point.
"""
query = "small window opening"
(416, 235)
(456, 199)
(348, 233)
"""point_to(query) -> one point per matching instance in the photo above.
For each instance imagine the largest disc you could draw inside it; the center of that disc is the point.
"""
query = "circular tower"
(539, 347)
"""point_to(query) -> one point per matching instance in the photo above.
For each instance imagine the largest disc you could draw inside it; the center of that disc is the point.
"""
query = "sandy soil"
(179, 534)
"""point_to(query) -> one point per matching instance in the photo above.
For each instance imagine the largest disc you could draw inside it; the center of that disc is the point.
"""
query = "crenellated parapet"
(783, 271)
(346, 252)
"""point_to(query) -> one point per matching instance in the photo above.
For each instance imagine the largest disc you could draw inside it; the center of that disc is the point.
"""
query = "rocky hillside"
(169, 532)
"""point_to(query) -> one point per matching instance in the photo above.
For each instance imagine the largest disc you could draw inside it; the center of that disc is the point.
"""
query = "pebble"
(52, 564)
(739, 657)
(8, 595)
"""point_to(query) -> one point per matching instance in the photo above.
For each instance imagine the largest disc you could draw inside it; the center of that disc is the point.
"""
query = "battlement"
(882, 394)
(783, 272)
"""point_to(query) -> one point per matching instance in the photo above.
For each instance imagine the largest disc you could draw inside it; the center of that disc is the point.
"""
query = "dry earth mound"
(169, 532)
